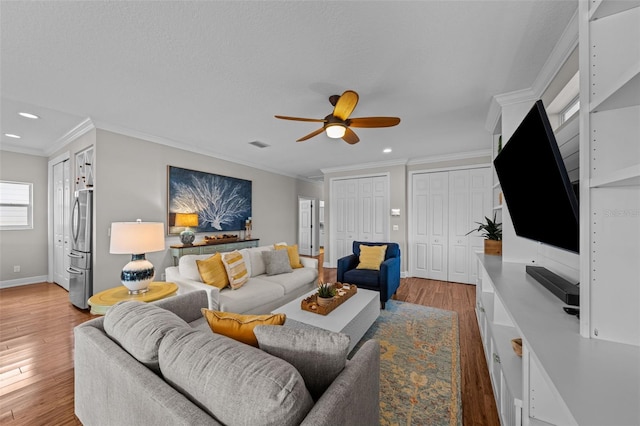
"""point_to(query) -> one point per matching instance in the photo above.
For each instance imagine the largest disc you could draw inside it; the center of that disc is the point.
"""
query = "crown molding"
(85, 126)
(364, 166)
(451, 157)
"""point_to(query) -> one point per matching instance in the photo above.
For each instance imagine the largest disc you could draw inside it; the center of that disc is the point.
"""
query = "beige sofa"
(260, 295)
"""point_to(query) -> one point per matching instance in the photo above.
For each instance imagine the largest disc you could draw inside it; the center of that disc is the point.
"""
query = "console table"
(562, 378)
(180, 250)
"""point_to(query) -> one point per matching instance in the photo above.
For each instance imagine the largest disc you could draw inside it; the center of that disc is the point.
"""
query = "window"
(570, 110)
(16, 205)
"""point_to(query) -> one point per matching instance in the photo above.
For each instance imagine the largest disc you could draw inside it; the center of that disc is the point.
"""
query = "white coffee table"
(353, 317)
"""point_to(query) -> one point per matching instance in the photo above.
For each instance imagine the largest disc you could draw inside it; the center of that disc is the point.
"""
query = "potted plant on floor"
(492, 233)
(325, 294)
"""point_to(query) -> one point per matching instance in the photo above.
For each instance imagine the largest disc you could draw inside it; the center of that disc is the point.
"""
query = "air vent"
(259, 144)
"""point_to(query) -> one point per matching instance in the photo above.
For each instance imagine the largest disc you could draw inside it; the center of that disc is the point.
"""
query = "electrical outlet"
(16, 268)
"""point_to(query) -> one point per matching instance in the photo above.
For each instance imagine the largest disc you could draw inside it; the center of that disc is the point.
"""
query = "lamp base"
(187, 237)
(138, 274)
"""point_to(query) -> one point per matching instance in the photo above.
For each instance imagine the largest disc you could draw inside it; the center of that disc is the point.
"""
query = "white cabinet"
(610, 170)
(562, 378)
(359, 212)
(445, 206)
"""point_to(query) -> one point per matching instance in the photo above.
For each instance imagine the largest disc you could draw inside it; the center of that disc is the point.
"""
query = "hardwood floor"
(36, 351)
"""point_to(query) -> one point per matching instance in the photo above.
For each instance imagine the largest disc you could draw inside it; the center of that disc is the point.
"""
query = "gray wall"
(27, 248)
(131, 183)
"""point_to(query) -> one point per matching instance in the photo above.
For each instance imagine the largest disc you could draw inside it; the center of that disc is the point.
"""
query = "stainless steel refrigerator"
(80, 269)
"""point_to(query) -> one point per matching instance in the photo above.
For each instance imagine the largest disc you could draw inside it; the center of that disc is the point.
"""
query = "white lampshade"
(136, 237)
(335, 131)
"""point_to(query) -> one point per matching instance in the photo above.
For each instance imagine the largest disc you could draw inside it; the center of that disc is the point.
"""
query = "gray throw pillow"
(236, 383)
(319, 355)
(139, 328)
(276, 261)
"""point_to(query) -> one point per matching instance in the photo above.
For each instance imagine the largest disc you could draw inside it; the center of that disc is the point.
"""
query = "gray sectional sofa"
(260, 295)
(141, 365)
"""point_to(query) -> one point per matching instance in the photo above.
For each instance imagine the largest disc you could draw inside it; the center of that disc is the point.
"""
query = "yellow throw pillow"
(212, 271)
(294, 256)
(236, 269)
(240, 327)
(371, 257)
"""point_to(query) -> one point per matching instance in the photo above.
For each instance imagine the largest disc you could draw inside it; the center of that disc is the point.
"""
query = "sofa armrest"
(354, 396)
(186, 285)
(309, 262)
(345, 264)
(389, 277)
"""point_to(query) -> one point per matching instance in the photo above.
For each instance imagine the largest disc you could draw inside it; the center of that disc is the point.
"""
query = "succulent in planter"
(326, 290)
(492, 233)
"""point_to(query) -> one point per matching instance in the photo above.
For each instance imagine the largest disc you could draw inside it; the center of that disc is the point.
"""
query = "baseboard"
(23, 281)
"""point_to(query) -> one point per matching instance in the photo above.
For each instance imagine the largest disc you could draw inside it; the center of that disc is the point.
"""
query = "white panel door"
(437, 226)
(352, 214)
(480, 206)
(339, 219)
(419, 242)
(365, 205)
(305, 226)
(458, 226)
(380, 221)
(61, 225)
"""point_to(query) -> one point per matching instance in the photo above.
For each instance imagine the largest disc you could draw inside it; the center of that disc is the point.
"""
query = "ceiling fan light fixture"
(335, 130)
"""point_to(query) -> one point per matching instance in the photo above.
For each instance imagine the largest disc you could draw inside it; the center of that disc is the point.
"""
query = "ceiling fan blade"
(345, 105)
(312, 134)
(374, 122)
(315, 120)
(350, 137)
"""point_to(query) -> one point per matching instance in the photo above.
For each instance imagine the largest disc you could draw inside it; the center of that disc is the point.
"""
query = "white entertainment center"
(574, 371)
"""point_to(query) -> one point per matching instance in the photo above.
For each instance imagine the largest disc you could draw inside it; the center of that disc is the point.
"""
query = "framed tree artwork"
(222, 203)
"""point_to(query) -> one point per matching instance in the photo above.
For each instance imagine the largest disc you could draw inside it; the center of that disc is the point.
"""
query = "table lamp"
(186, 220)
(136, 239)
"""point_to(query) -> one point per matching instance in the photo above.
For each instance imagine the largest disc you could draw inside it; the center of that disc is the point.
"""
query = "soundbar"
(563, 289)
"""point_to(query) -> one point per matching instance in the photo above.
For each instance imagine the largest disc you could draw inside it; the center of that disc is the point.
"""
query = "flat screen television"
(535, 184)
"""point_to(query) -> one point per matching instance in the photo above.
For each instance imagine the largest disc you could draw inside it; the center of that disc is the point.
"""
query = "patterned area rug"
(419, 365)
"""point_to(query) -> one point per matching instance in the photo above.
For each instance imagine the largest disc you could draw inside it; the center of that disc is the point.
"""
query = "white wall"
(27, 248)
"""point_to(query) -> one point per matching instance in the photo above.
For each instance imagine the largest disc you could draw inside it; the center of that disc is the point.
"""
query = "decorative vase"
(493, 247)
(324, 301)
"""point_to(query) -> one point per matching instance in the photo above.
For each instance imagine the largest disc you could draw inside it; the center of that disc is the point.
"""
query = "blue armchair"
(386, 280)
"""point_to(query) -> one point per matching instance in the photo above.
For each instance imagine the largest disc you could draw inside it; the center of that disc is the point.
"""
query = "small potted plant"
(492, 233)
(326, 292)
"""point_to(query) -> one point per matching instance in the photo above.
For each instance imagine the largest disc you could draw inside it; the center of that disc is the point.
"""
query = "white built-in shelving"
(610, 170)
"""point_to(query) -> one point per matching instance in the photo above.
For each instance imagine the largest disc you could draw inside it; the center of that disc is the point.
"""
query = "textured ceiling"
(209, 76)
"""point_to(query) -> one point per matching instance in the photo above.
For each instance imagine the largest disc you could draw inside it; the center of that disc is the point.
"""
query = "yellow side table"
(102, 301)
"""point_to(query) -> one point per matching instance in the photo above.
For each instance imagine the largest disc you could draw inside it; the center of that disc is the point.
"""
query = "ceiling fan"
(337, 124)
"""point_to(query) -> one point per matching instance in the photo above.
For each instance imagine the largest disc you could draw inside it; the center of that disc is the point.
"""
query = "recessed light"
(11, 135)
(386, 150)
(28, 115)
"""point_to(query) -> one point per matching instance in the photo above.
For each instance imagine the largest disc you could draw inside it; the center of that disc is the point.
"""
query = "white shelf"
(629, 176)
(496, 185)
(602, 9)
(511, 363)
(622, 94)
(497, 207)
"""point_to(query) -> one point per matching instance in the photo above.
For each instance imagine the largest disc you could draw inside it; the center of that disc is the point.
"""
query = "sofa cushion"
(371, 257)
(276, 262)
(237, 384)
(213, 272)
(258, 266)
(319, 355)
(240, 327)
(256, 292)
(297, 279)
(294, 256)
(236, 270)
(139, 328)
(188, 268)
